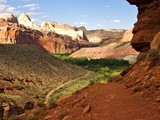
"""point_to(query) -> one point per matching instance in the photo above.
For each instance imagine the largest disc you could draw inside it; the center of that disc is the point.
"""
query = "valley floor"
(111, 101)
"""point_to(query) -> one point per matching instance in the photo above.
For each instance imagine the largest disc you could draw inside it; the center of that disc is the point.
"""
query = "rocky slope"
(28, 73)
(119, 48)
(136, 97)
(99, 35)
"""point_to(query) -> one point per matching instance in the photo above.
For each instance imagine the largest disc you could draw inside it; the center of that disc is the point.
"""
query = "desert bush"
(41, 104)
(40, 112)
(152, 54)
(26, 118)
(141, 56)
(91, 82)
(13, 117)
(103, 70)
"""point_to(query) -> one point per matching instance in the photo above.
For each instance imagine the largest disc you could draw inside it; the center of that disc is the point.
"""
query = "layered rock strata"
(13, 33)
(148, 24)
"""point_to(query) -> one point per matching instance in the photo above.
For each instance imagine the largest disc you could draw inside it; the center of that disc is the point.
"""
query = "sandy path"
(108, 102)
(47, 96)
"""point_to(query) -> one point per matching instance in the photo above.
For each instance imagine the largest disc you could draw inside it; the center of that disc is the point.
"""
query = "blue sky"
(93, 14)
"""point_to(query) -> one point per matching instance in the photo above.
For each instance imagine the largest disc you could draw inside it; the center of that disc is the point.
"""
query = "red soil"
(106, 102)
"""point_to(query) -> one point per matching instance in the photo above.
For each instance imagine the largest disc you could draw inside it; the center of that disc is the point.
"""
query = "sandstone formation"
(97, 36)
(148, 24)
(26, 21)
(119, 48)
(127, 36)
(9, 17)
(64, 30)
(11, 33)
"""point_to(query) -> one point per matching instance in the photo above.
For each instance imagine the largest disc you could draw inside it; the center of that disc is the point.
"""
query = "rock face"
(64, 29)
(25, 20)
(148, 24)
(9, 17)
(96, 36)
(127, 36)
(13, 33)
(121, 49)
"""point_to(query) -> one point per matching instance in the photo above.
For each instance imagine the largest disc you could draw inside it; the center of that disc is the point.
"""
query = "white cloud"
(80, 23)
(75, 23)
(33, 13)
(116, 21)
(44, 16)
(106, 6)
(99, 25)
(30, 6)
(4, 8)
(83, 23)
(3, 1)
(35, 20)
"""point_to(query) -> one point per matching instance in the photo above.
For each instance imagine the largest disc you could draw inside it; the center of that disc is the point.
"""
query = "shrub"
(40, 112)
(26, 118)
(152, 54)
(91, 82)
(13, 117)
(41, 104)
(141, 56)
(103, 70)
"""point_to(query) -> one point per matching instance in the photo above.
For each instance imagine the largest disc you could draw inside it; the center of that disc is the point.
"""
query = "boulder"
(9, 17)
(25, 20)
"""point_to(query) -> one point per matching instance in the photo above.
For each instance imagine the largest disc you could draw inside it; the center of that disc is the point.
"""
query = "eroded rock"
(9, 17)
(148, 24)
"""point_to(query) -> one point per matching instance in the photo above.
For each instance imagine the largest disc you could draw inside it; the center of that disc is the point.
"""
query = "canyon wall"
(148, 24)
(99, 35)
(13, 33)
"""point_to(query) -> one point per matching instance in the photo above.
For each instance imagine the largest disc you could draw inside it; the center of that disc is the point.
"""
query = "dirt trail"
(108, 102)
(47, 96)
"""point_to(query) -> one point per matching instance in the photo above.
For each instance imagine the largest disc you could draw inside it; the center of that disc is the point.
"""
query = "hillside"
(99, 35)
(132, 95)
(28, 73)
(119, 48)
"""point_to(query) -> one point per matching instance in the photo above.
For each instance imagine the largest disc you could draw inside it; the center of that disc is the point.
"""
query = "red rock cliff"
(13, 33)
(148, 24)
